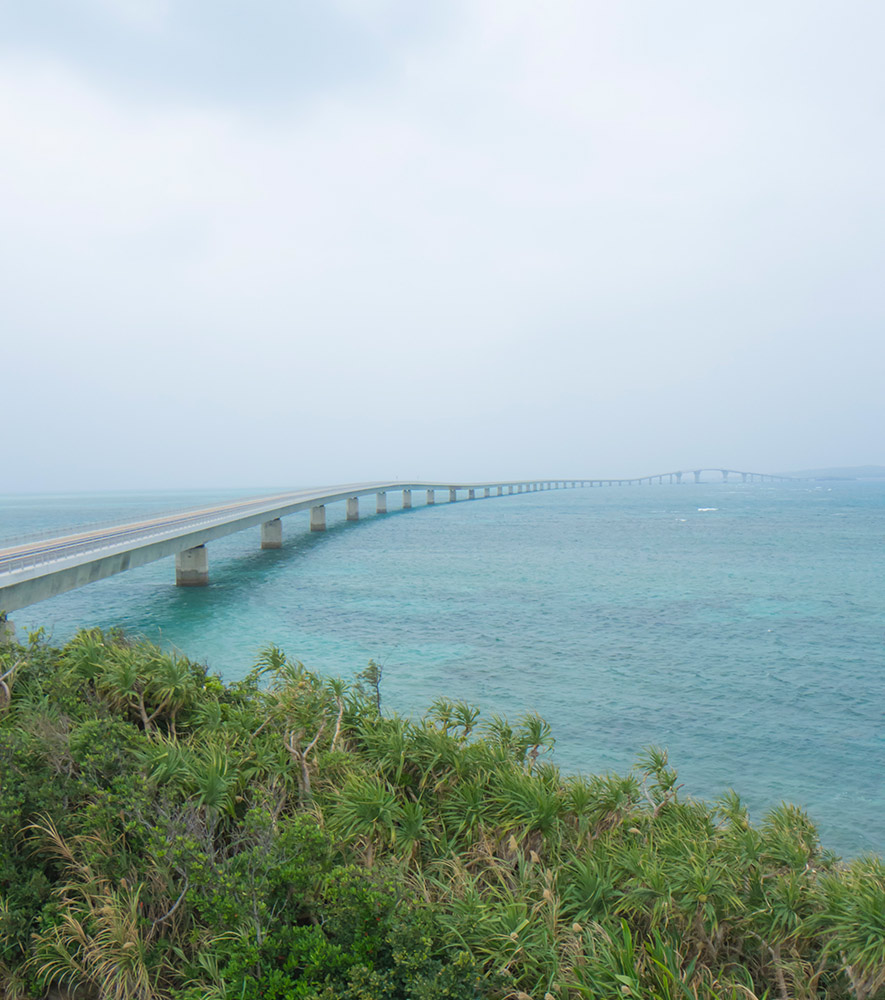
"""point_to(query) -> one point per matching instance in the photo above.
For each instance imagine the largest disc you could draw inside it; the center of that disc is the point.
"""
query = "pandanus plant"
(852, 923)
(367, 811)
(534, 736)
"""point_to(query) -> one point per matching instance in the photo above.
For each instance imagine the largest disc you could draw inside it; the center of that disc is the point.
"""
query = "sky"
(284, 243)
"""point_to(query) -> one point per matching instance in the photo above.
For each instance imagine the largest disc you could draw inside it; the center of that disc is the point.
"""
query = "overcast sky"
(280, 243)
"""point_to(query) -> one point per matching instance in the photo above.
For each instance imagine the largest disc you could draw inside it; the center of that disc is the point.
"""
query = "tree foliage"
(164, 836)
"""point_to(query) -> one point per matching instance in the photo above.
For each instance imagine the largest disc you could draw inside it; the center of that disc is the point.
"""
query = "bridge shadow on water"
(234, 575)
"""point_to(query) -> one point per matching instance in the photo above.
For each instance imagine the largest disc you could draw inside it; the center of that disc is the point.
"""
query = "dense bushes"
(166, 835)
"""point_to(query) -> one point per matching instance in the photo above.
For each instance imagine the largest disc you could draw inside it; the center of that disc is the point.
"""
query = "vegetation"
(165, 835)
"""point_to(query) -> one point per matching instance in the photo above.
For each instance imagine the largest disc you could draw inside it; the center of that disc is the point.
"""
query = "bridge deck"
(34, 571)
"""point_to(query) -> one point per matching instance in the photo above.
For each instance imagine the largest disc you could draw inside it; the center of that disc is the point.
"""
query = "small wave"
(707, 508)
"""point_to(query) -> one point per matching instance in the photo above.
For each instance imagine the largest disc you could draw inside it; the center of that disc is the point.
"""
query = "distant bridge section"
(677, 477)
(37, 569)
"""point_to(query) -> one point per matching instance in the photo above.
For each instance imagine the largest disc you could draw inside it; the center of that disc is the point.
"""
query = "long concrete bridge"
(34, 570)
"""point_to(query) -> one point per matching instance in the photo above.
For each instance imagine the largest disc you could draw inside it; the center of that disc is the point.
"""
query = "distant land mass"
(852, 472)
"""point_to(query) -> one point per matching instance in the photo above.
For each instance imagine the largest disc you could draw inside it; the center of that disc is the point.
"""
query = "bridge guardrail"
(18, 563)
(8, 541)
(32, 560)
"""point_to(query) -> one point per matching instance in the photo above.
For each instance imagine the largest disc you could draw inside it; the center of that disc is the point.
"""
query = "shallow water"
(746, 637)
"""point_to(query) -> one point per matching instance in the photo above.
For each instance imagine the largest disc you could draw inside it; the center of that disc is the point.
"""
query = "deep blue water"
(747, 639)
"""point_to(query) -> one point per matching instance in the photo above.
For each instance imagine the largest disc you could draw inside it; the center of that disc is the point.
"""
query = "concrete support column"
(192, 567)
(743, 477)
(318, 518)
(380, 503)
(509, 490)
(500, 490)
(431, 497)
(678, 478)
(272, 534)
(407, 499)
(724, 475)
(697, 475)
(486, 492)
(7, 631)
(453, 496)
(471, 494)
(352, 506)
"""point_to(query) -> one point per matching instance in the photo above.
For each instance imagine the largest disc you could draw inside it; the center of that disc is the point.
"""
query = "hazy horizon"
(306, 244)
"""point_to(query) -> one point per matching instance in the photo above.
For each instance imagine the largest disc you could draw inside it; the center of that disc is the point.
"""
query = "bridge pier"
(380, 503)
(431, 497)
(7, 631)
(743, 477)
(510, 491)
(486, 492)
(192, 567)
(697, 475)
(724, 475)
(272, 534)
(352, 507)
(453, 496)
(500, 491)
(471, 494)
(318, 518)
(407, 499)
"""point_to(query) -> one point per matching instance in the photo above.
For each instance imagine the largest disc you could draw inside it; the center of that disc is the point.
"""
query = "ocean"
(740, 626)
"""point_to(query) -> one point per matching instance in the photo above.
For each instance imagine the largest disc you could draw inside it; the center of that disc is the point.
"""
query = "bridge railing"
(47, 534)
(69, 550)
(12, 564)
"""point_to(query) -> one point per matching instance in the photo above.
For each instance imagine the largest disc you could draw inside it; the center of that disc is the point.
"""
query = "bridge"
(39, 568)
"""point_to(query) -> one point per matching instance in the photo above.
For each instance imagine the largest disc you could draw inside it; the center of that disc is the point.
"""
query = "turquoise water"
(748, 639)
